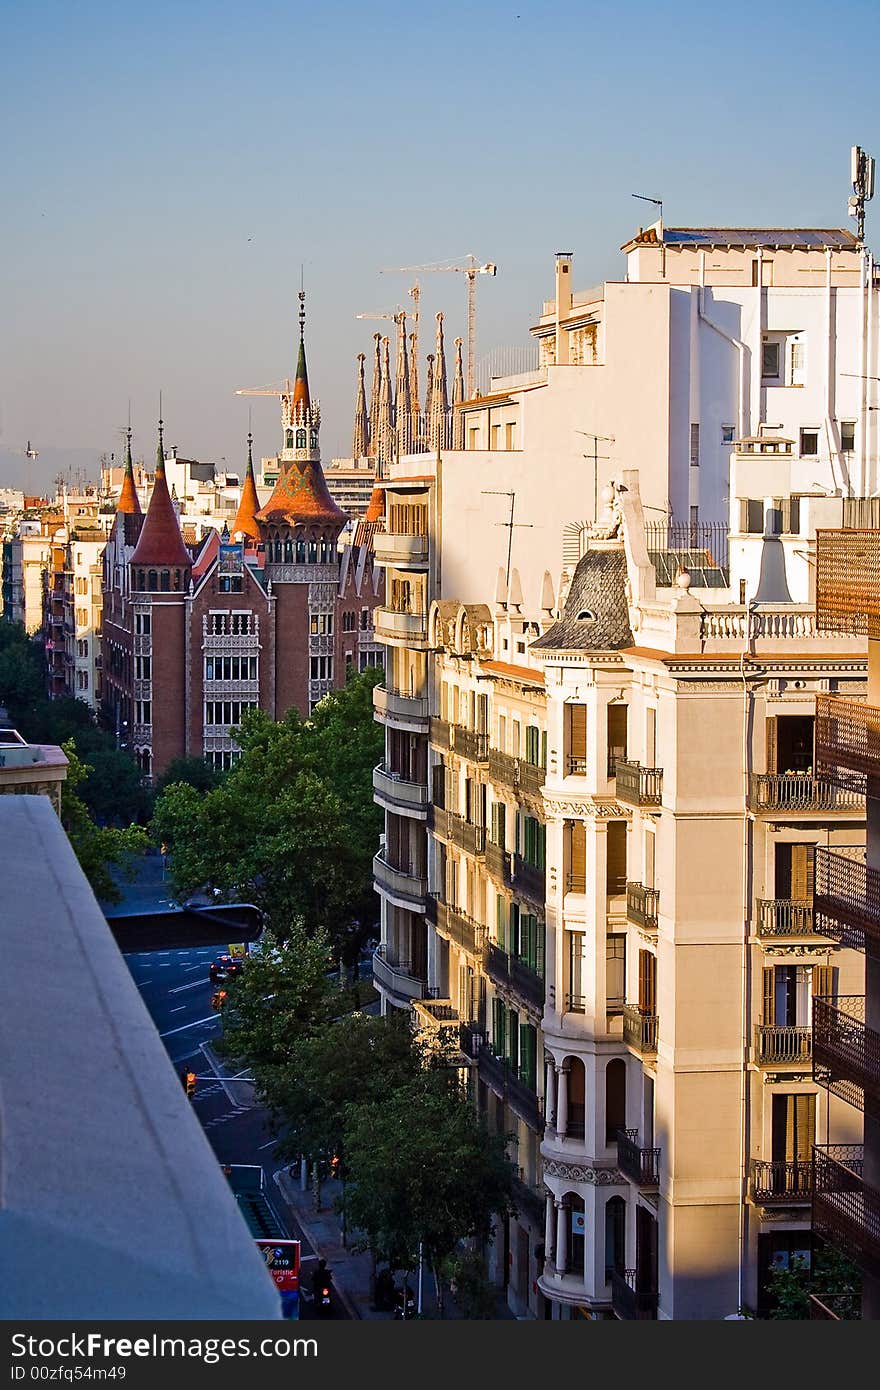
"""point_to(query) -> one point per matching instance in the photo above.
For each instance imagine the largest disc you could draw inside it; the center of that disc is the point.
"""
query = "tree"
(468, 1282)
(422, 1168)
(95, 847)
(194, 771)
(831, 1275)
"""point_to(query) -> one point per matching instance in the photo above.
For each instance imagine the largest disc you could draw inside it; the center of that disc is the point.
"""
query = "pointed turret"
(402, 403)
(457, 398)
(361, 442)
(376, 508)
(374, 393)
(245, 522)
(385, 445)
(129, 501)
(429, 401)
(301, 402)
(160, 541)
(416, 409)
(439, 415)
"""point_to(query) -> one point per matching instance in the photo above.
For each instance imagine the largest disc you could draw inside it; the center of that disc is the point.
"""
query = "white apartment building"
(527, 884)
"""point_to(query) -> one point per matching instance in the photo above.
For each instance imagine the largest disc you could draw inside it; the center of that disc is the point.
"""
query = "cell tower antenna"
(862, 175)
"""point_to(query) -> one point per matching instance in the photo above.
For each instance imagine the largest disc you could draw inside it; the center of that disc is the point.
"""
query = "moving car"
(225, 968)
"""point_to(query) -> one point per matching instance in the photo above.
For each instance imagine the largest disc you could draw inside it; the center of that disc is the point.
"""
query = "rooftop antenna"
(862, 174)
(658, 202)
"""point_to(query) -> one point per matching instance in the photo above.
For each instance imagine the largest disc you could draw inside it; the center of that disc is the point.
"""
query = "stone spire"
(415, 408)
(402, 400)
(160, 541)
(457, 398)
(361, 442)
(439, 416)
(374, 394)
(429, 401)
(245, 522)
(385, 429)
(128, 499)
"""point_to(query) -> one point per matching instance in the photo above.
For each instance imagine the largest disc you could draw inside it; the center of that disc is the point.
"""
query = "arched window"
(615, 1099)
(615, 1236)
(313, 439)
(288, 551)
(300, 552)
(577, 1109)
(165, 581)
(152, 581)
(300, 439)
(313, 552)
(288, 442)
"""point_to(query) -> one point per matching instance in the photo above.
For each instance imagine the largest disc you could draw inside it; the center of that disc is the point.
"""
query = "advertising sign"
(282, 1262)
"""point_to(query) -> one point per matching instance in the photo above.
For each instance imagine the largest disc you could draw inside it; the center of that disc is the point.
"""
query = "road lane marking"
(212, 1018)
(194, 985)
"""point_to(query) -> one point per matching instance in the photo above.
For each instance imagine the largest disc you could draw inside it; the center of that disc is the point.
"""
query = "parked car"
(225, 968)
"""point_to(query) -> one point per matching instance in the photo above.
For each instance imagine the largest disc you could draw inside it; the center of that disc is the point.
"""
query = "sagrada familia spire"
(395, 423)
(361, 443)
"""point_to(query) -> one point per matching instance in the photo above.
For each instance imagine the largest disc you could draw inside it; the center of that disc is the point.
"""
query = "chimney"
(563, 303)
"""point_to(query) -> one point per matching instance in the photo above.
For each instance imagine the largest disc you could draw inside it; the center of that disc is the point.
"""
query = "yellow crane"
(472, 269)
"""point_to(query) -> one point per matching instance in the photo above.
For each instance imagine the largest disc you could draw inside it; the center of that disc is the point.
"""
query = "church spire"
(301, 385)
(385, 441)
(245, 522)
(416, 428)
(128, 498)
(375, 392)
(361, 443)
(402, 403)
(439, 417)
(457, 398)
(429, 401)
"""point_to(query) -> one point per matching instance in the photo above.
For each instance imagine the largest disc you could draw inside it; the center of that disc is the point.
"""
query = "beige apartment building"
(603, 809)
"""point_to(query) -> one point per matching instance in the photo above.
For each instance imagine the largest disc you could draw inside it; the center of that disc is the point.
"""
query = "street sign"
(239, 948)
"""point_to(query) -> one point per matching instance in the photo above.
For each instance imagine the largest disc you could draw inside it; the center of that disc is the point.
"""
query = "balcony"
(846, 1053)
(400, 629)
(629, 1302)
(516, 773)
(780, 793)
(787, 1045)
(640, 1030)
(438, 821)
(642, 1166)
(451, 922)
(403, 886)
(438, 1021)
(637, 785)
(469, 744)
(514, 974)
(409, 712)
(395, 975)
(575, 882)
(471, 838)
(529, 879)
(835, 1307)
(576, 766)
(788, 1182)
(506, 1082)
(784, 917)
(846, 897)
(439, 733)
(847, 742)
(403, 552)
(846, 1211)
(498, 862)
(396, 794)
(642, 906)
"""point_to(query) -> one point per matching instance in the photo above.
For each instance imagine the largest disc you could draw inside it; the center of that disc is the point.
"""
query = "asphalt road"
(177, 992)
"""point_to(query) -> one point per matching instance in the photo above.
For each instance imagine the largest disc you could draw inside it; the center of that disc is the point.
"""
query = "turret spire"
(439, 417)
(457, 398)
(402, 403)
(414, 390)
(245, 522)
(160, 542)
(385, 443)
(128, 499)
(374, 394)
(301, 400)
(361, 443)
(429, 401)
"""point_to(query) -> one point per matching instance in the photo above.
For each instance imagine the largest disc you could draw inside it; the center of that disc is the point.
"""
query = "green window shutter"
(542, 846)
(540, 948)
(513, 930)
(499, 1019)
(543, 759)
(769, 1011)
(528, 1050)
(500, 919)
(513, 1038)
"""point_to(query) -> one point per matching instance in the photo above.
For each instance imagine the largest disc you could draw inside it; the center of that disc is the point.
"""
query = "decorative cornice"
(582, 1172)
(583, 807)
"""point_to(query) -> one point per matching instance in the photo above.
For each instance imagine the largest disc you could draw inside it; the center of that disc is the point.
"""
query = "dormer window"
(300, 439)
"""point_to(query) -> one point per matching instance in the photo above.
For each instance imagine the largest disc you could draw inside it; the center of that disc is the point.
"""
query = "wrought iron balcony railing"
(785, 917)
(846, 1053)
(630, 1302)
(846, 1210)
(781, 1180)
(499, 863)
(515, 974)
(471, 838)
(785, 1044)
(516, 773)
(529, 879)
(450, 921)
(469, 743)
(438, 821)
(640, 1030)
(847, 742)
(439, 734)
(641, 1165)
(505, 1080)
(576, 766)
(846, 897)
(637, 785)
(776, 793)
(642, 905)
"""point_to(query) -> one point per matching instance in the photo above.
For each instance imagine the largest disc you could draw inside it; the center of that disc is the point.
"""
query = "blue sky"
(169, 167)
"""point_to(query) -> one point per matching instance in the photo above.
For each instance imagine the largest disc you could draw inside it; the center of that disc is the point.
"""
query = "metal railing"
(799, 791)
(785, 917)
(516, 773)
(846, 1210)
(469, 743)
(846, 897)
(639, 1029)
(785, 1043)
(512, 973)
(781, 1180)
(529, 879)
(507, 1082)
(575, 882)
(847, 741)
(629, 1302)
(637, 785)
(471, 838)
(439, 732)
(576, 766)
(575, 1003)
(642, 905)
(396, 975)
(639, 1164)
(846, 1053)
(499, 863)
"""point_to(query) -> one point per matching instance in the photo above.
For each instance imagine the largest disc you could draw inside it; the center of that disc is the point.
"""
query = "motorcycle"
(404, 1303)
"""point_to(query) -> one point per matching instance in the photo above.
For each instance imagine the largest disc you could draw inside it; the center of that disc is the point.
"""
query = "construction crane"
(265, 390)
(414, 293)
(471, 270)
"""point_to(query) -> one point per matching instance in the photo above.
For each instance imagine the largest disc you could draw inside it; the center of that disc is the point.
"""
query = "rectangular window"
(771, 365)
(615, 971)
(728, 434)
(797, 361)
(575, 1001)
(695, 446)
(847, 435)
(142, 624)
(321, 668)
(509, 435)
(321, 625)
(809, 442)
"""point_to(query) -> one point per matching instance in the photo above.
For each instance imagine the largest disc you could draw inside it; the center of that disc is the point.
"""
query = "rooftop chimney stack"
(563, 303)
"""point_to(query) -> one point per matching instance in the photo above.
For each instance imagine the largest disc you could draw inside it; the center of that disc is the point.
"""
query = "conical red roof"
(160, 540)
(128, 499)
(301, 497)
(246, 516)
(376, 507)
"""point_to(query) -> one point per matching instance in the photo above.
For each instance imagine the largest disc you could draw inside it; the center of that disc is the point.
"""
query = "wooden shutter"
(615, 861)
(768, 1014)
(617, 731)
(578, 851)
(647, 983)
(803, 858)
(577, 731)
(771, 743)
(800, 1128)
(823, 980)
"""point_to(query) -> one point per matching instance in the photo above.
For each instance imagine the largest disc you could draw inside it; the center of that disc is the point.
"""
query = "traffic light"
(190, 1084)
(218, 999)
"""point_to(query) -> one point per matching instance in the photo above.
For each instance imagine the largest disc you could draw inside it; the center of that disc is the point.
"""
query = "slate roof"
(597, 588)
(809, 237)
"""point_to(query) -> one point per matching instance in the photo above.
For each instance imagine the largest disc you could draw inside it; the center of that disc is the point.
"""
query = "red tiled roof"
(376, 508)
(246, 516)
(128, 498)
(160, 540)
(519, 673)
(301, 495)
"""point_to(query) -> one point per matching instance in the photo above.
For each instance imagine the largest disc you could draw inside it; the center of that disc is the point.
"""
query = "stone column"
(550, 1093)
(562, 1217)
(562, 1101)
(549, 1227)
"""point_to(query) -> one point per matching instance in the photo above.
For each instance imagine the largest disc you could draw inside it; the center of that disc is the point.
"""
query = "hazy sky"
(168, 167)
